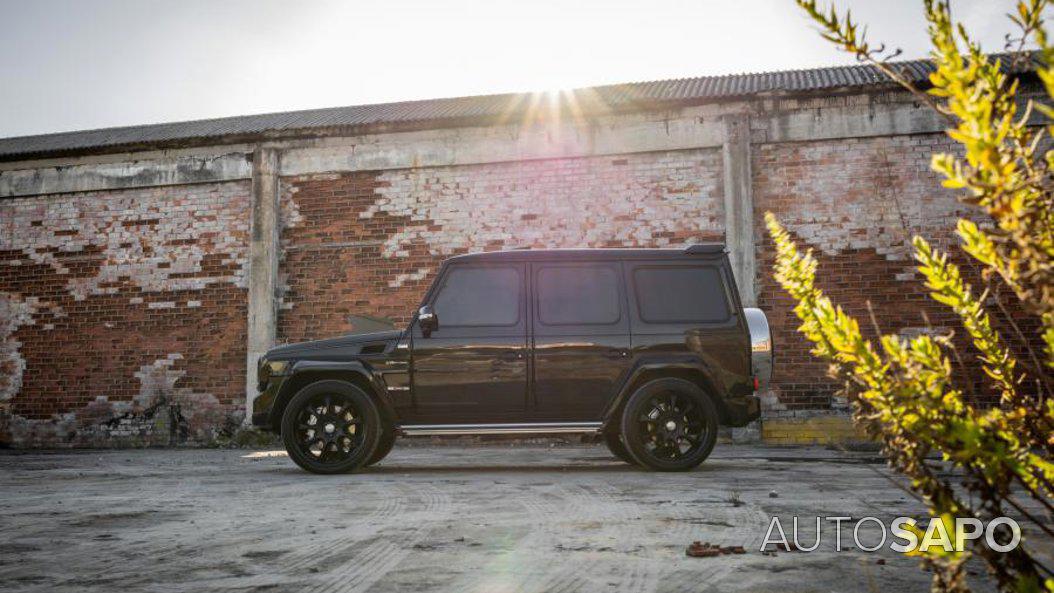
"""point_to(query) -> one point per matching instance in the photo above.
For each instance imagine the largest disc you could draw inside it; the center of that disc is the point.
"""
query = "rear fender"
(689, 368)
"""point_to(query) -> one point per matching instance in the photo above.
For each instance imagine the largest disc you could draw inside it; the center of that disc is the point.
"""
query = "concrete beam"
(613, 135)
(688, 128)
(678, 129)
(739, 205)
(263, 266)
(123, 175)
(851, 121)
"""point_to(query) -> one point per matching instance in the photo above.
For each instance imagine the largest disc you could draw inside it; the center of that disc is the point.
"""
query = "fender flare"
(356, 367)
(687, 363)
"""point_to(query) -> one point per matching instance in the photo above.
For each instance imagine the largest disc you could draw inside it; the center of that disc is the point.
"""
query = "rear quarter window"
(680, 294)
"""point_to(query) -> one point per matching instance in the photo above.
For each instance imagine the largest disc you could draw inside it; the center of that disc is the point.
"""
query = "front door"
(581, 338)
(473, 368)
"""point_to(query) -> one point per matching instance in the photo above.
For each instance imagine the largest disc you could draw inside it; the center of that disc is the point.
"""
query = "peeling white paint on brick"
(14, 313)
(633, 201)
(154, 239)
(857, 194)
(146, 420)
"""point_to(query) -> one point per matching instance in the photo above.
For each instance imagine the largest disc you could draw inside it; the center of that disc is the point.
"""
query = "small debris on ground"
(706, 550)
(880, 561)
(774, 494)
(734, 498)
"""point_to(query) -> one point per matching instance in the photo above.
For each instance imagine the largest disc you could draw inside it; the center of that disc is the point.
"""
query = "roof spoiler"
(705, 249)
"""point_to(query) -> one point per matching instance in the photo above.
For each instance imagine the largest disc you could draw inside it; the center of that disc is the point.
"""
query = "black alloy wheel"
(331, 427)
(669, 425)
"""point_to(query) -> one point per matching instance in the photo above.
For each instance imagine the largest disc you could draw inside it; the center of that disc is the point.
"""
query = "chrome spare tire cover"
(760, 345)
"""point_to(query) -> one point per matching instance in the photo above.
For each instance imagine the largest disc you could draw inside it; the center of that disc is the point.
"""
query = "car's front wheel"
(669, 425)
(384, 447)
(331, 427)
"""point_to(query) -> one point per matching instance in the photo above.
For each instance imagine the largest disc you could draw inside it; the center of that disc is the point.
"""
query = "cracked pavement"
(488, 518)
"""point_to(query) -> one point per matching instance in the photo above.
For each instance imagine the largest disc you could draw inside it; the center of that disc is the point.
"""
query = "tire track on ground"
(321, 551)
(360, 571)
(543, 507)
(634, 574)
(686, 573)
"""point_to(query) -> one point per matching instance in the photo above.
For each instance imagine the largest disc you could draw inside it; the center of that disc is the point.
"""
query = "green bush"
(902, 390)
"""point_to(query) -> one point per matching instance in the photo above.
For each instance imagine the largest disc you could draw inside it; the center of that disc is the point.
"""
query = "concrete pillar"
(739, 205)
(263, 266)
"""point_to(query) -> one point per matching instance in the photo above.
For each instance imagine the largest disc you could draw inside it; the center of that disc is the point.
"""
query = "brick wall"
(122, 315)
(857, 203)
(368, 243)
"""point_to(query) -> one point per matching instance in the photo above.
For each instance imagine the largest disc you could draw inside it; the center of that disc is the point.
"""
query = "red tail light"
(757, 384)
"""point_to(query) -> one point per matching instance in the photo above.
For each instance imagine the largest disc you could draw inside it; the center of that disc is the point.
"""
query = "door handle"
(511, 356)
(616, 353)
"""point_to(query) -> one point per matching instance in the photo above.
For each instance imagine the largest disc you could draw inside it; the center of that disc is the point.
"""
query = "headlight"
(269, 369)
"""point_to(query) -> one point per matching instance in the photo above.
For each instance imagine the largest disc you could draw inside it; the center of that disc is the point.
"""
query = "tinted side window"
(577, 295)
(475, 296)
(679, 294)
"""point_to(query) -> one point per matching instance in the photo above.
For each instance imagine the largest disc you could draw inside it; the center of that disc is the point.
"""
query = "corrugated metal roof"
(454, 111)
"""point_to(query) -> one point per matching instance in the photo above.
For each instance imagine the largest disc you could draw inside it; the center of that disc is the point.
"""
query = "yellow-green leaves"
(903, 390)
(948, 287)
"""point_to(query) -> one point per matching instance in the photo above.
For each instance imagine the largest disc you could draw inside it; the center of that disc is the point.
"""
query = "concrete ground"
(439, 518)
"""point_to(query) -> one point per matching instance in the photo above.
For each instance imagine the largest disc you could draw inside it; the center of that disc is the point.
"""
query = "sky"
(84, 64)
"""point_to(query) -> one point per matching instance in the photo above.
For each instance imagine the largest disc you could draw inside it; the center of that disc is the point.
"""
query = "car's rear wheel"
(669, 425)
(331, 427)
(384, 447)
(614, 442)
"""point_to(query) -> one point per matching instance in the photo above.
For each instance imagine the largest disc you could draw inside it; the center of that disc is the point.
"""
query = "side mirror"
(428, 320)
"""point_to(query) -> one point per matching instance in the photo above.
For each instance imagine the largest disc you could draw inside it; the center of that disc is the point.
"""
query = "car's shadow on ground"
(517, 469)
(399, 469)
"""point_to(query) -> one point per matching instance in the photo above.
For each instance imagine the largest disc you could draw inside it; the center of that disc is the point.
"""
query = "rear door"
(473, 368)
(580, 337)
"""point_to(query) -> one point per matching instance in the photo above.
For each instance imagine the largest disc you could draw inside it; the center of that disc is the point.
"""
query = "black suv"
(648, 347)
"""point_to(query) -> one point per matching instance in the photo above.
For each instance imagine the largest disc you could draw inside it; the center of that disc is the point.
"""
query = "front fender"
(304, 372)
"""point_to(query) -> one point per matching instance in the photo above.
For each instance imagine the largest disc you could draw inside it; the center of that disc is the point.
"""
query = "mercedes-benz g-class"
(649, 348)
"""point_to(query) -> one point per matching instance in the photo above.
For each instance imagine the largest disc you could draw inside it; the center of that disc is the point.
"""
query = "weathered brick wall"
(368, 243)
(857, 203)
(122, 315)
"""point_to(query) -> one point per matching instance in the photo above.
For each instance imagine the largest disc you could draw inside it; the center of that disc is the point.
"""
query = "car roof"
(615, 253)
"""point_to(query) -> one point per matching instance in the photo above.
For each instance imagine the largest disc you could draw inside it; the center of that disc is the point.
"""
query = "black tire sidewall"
(362, 402)
(617, 447)
(384, 446)
(633, 436)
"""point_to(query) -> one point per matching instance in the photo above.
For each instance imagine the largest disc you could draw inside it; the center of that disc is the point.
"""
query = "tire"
(385, 445)
(331, 427)
(669, 425)
(614, 442)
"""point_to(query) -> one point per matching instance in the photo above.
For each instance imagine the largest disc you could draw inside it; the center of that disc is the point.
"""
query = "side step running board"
(523, 428)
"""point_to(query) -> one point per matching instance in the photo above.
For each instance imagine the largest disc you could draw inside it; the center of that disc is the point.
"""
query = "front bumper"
(263, 404)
